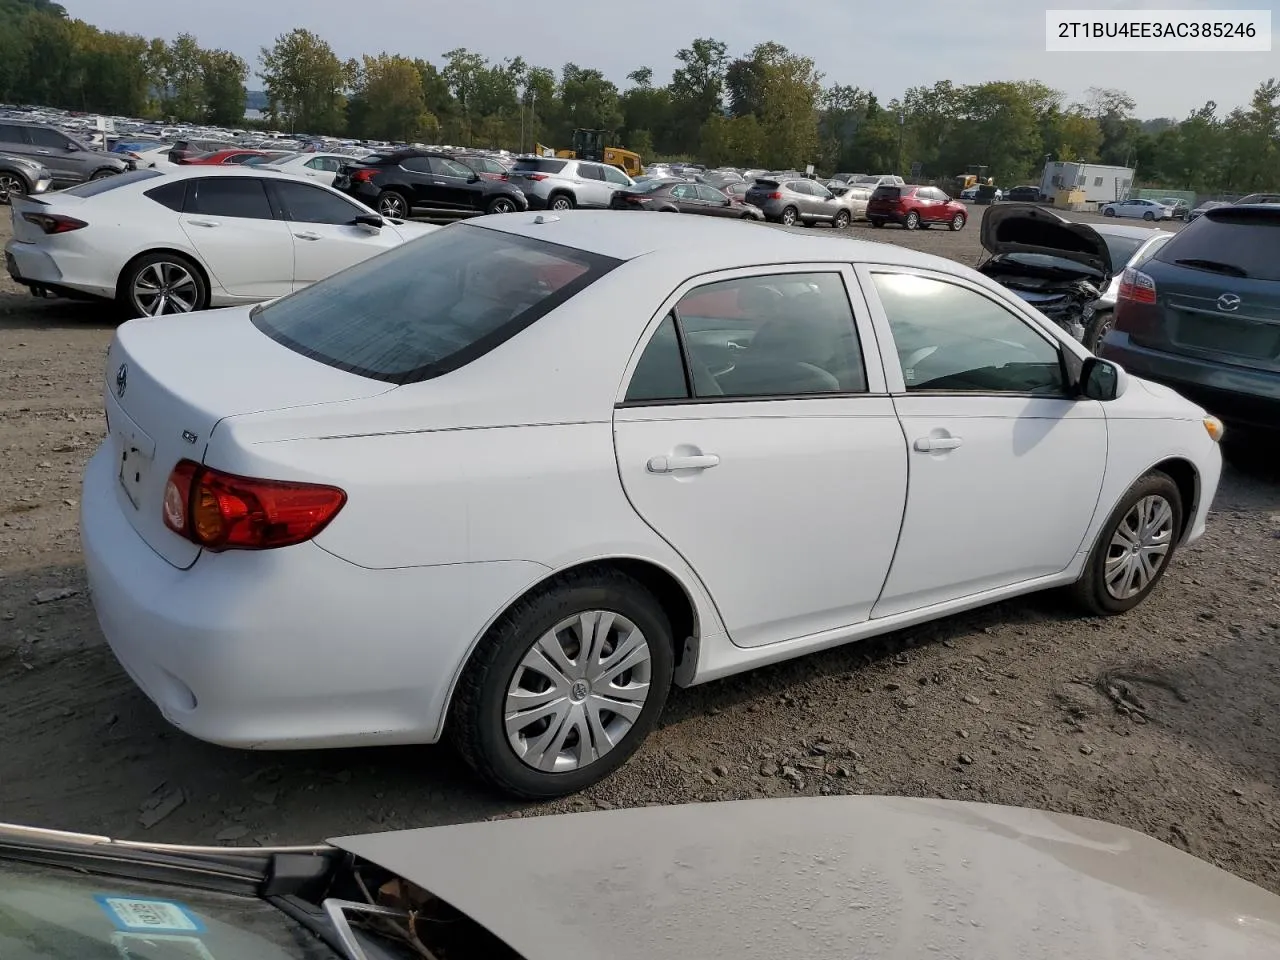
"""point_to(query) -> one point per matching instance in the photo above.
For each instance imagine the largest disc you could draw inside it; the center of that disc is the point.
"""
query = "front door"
(452, 183)
(1006, 466)
(772, 460)
(230, 223)
(325, 238)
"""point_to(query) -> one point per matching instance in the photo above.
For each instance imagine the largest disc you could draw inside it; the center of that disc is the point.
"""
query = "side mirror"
(474, 178)
(370, 220)
(727, 202)
(1102, 380)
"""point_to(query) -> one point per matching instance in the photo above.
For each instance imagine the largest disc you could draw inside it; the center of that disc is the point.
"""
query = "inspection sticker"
(138, 914)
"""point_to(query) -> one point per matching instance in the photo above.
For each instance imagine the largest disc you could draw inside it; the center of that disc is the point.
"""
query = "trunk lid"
(26, 232)
(1027, 228)
(170, 380)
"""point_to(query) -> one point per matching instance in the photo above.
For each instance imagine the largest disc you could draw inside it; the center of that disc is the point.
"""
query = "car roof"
(702, 243)
(1124, 230)
(186, 172)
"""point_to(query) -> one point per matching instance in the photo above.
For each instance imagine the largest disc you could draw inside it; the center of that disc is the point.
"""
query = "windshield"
(649, 185)
(432, 305)
(1121, 249)
(49, 913)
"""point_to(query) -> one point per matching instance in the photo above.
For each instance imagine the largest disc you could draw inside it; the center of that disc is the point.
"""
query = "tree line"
(768, 107)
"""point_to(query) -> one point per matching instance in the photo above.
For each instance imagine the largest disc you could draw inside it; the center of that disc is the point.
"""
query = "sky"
(859, 44)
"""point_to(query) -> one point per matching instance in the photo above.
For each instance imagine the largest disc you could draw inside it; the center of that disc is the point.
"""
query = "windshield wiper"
(1217, 266)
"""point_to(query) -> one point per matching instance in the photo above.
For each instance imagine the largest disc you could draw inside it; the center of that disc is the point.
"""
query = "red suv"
(914, 207)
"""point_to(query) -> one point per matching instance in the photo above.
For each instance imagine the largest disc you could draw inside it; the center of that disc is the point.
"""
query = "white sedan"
(195, 238)
(516, 479)
(320, 167)
(1139, 209)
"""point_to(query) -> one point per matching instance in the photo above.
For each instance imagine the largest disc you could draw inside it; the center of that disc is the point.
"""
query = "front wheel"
(1133, 549)
(565, 686)
(501, 205)
(789, 217)
(913, 221)
(1148, 216)
(162, 283)
(957, 222)
(103, 174)
(842, 219)
(1096, 329)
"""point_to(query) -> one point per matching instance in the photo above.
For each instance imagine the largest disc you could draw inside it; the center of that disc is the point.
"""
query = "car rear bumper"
(1236, 395)
(65, 274)
(285, 649)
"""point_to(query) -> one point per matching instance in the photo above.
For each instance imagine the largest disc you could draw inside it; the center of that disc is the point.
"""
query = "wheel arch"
(187, 255)
(561, 192)
(20, 175)
(1186, 478)
(673, 596)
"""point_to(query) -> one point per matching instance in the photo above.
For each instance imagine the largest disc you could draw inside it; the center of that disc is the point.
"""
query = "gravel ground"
(1164, 720)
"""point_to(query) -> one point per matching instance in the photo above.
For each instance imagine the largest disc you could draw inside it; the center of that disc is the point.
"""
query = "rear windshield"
(1121, 249)
(431, 305)
(762, 184)
(649, 186)
(1233, 243)
(539, 165)
(91, 188)
(886, 193)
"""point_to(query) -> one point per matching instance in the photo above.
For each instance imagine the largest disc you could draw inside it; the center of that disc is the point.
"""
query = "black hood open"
(1009, 228)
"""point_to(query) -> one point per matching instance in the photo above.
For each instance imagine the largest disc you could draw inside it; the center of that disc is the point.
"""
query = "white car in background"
(194, 238)
(153, 158)
(438, 492)
(1138, 209)
(320, 167)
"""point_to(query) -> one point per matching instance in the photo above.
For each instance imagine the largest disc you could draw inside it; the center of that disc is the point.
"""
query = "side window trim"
(888, 353)
(867, 336)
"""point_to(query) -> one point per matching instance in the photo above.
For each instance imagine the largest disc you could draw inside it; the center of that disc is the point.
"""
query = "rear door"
(715, 203)
(325, 238)
(592, 189)
(247, 248)
(54, 151)
(428, 189)
(686, 199)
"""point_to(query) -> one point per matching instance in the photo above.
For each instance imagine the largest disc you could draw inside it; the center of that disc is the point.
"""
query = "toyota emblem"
(122, 379)
(1228, 301)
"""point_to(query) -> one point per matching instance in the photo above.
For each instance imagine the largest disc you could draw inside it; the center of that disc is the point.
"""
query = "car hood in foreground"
(1031, 228)
(890, 878)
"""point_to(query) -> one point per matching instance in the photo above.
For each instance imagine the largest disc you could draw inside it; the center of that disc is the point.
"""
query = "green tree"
(783, 92)
(462, 72)
(388, 101)
(223, 75)
(305, 83)
(696, 90)
(588, 100)
(184, 80)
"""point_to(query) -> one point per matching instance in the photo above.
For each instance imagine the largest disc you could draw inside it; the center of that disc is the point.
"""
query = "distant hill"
(255, 100)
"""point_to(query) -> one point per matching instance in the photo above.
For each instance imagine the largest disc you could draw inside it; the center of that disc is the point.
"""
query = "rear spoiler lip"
(29, 199)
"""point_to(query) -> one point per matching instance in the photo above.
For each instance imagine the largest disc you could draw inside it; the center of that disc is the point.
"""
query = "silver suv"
(68, 161)
(554, 184)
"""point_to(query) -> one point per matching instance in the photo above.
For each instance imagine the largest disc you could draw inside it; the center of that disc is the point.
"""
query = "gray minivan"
(68, 160)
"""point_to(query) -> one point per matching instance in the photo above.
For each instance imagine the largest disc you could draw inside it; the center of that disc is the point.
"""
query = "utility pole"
(902, 119)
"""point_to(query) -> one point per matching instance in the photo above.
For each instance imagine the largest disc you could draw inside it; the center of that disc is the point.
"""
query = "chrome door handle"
(202, 223)
(307, 236)
(931, 444)
(671, 464)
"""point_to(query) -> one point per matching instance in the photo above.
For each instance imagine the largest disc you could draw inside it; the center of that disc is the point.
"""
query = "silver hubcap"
(578, 691)
(503, 206)
(788, 217)
(560, 203)
(1139, 547)
(10, 186)
(392, 206)
(165, 288)
(912, 220)
(958, 222)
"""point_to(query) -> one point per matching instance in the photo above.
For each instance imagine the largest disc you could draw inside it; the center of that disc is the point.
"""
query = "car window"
(444, 167)
(11, 133)
(778, 335)
(304, 203)
(1230, 242)
(660, 374)
(685, 191)
(1120, 249)
(240, 197)
(711, 195)
(417, 164)
(172, 194)
(801, 187)
(430, 306)
(589, 171)
(1152, 249)
(50, 139)
(91, 188)
(614, 175)
(950, 338)
(539, 165)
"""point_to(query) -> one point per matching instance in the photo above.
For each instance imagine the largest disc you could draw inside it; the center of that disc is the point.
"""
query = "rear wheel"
(1133, 549)
(1097, 328)
(565, 686)
(103, 174)
(789, 217)
(1148, 215)
(842, 219)
(913, 220)
(876, 221)
(1108, 212)
(957, 222)
(162, 283)
(12, 185)
(561, 201)
(393, 204)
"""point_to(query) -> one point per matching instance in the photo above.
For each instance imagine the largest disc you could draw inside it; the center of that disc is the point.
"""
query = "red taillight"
(54, 222)
(776, 195)
(636, 200)
(220, 511)
(363, 176)
(535, 176)
(1136, 286)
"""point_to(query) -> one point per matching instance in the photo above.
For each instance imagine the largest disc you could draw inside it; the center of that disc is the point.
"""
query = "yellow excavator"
(590, 145)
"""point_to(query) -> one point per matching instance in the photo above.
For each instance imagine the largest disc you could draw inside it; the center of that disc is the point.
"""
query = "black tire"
(125, 289)
(789, 216)
(103, 174)
(561, 201)
(876, 222)
(958, 222)
(394, 204)
(1097, 328)
(1090, 591)
(913, 220)
(842, 220)
(1148, 216)
(476, 719)
(1108, 212)
(501, 205)
(12, 184)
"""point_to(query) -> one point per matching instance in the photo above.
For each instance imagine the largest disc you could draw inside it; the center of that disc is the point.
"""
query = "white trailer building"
(1100, 183)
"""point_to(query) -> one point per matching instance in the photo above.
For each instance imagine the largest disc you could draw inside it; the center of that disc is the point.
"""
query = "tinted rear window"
(91, 188)
(886, 193)
(539, 165)
(432, 305)
(1240, 240)
(765, 185)
(1121, 249)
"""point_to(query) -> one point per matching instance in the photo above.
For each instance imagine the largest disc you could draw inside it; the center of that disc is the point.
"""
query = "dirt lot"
(1164, 720)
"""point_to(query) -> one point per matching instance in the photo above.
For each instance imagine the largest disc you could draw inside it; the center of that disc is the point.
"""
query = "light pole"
(902, 119)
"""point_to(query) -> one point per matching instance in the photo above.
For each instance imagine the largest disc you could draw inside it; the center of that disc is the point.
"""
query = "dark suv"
(1203, 315)
(396, 184)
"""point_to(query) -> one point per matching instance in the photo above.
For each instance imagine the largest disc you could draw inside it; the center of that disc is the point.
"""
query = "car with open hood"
(1054, 264)
(889, 878)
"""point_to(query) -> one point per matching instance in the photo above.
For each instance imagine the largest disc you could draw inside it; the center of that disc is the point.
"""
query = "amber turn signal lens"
(1213, 426)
